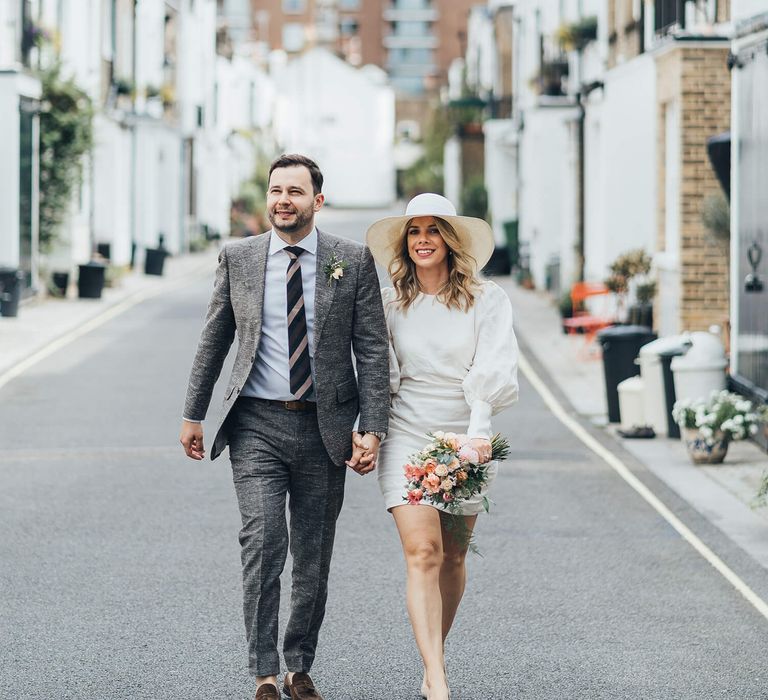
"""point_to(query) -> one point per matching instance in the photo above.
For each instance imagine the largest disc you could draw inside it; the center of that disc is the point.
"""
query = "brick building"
(693, 104)
(415, 41)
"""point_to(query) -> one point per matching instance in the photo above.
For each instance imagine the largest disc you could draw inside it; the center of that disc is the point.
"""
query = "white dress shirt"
(270, 376)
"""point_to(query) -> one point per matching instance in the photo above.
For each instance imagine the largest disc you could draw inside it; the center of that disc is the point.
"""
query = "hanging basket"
(702, 453)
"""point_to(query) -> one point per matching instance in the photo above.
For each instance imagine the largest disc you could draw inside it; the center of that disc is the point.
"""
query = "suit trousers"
(277, 453)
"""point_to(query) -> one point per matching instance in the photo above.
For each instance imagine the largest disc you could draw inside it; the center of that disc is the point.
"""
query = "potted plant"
(627, 267)
(576, 35)
(59, 283)
(641, 313)
(124, 87)
(708, 426)
(167, 95)
(565, 307)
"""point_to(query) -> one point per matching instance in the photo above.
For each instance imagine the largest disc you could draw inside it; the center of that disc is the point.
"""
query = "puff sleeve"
(388, 298)
(491, 383)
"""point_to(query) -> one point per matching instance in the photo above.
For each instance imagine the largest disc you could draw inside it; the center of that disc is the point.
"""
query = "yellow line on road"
(646, 494)
(92, 324)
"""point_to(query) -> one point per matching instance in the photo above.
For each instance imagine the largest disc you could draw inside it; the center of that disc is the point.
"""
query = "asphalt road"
(120, 575)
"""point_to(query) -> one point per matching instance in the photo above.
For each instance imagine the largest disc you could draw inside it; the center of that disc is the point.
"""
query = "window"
(293, 37)
(294, 7)
(669, 14)
(348, 27)
(349, 4)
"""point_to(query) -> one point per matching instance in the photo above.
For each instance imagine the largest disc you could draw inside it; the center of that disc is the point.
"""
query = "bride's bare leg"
(453, 572)
(422, 540)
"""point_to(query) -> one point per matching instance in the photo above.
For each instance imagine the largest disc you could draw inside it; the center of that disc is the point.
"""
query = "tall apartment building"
(414, 41)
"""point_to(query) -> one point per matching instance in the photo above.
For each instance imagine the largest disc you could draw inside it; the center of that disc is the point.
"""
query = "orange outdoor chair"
(582, 320)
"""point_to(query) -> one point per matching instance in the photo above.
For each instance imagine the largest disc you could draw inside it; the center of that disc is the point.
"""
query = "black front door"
(751, 366)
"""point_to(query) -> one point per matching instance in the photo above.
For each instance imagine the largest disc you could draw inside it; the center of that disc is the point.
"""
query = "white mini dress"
(449, 370)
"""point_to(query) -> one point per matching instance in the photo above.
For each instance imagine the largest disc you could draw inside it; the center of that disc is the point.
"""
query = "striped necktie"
(298, 340)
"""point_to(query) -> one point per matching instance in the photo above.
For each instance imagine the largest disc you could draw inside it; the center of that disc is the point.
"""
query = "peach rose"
(446, 485)
(461, 476)
(429, 465)
(441, 470)
(415, 496)
(413, 472)
(431, 483)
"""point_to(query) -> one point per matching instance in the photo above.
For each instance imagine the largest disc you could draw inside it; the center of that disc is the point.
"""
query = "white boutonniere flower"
(334, 268)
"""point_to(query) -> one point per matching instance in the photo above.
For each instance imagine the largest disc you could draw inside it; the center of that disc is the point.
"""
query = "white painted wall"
(744, 9)
(345, 119)
(621, 168)
(501, 155)
(9, 169)
(546, 186)
(452, 170)
(10, 32)
(158, 185)
(112, 188)
(481, 53)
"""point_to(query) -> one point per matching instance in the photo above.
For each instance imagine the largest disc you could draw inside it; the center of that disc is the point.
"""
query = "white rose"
(337, 273)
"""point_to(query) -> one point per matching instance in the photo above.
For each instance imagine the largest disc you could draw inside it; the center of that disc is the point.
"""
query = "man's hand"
(365, 449)
(192, 439)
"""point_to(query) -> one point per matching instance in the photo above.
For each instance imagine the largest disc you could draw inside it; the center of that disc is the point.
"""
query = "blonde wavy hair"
(463, 280)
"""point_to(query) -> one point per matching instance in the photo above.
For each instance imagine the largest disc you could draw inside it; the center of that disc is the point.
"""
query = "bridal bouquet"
(448, 470)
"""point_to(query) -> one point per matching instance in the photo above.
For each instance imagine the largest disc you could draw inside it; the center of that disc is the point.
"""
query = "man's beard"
(303, 217)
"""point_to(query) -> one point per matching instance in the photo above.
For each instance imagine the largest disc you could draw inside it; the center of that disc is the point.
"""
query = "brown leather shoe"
(301, 688)
(267, 691)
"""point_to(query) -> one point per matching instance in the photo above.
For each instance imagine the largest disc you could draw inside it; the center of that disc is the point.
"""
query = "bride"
(453, 363)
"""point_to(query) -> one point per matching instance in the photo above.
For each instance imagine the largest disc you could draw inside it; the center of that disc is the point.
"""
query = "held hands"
(192, 439)
(483, 449)
(365, 449)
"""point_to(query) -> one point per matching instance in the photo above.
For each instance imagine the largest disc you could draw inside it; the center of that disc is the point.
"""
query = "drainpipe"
(580, 189)
(134, 144)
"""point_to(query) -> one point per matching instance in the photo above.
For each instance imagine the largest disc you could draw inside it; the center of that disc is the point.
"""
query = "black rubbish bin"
(11, 281)
(154, 261)
(104, 250)
(621, 345)
(60, 283)
(665, 357)
(90, 281)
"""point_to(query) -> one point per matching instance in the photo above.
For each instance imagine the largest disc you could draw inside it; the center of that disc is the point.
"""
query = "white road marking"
(645, 493)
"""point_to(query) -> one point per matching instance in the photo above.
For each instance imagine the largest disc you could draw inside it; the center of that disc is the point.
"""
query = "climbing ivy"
(66, 136)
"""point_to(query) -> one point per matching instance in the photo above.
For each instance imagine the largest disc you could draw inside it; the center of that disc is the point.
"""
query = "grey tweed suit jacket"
(349, 318)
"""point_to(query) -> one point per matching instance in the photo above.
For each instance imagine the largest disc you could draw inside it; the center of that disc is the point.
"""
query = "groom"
(301, 302)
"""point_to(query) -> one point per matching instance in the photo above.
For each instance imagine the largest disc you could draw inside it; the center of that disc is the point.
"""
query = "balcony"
(411, 69)
(404, 41)
(412, 14)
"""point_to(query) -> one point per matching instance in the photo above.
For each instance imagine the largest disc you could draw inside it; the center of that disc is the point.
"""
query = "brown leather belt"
(304, 406)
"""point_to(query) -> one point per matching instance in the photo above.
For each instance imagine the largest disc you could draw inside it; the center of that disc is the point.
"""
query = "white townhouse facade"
(175, 127)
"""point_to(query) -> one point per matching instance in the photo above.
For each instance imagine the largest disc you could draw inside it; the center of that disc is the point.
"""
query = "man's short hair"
(291, 160)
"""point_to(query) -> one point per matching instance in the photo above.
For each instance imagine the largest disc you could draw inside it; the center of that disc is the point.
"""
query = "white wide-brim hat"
(384, 236)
